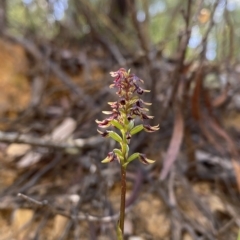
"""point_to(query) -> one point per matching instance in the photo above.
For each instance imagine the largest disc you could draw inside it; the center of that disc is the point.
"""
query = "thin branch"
(142, 36)
(79, 143)
(79, 217)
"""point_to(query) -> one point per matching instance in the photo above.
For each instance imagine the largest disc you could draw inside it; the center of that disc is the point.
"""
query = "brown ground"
(204, 206)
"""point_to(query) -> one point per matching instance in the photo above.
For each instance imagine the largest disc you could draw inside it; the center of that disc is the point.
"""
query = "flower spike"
(121, 119)
(123, 113)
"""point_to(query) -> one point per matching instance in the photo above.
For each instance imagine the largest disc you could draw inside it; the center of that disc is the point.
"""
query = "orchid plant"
(122, 118)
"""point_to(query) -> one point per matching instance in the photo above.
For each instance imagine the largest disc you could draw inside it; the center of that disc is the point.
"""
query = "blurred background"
(55, 59)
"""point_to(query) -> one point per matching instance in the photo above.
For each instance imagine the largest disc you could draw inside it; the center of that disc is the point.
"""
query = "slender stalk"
(123, 198)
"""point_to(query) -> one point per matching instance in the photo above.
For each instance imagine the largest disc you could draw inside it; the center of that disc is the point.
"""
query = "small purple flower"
(137, 79)
(110, 157)
(128, 137)
(103, 124)
(103, 134)
(122, 101)
(145, 116)
(129, 117)
(150, 129)
(136, 111)
(142, 158)
(140, 91)
(140, 103)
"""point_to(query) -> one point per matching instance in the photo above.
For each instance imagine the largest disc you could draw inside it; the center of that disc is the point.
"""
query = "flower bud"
(110, 157)
(145, 116)
(103, 124)
(142, 158)
(103, 134)
(128, 137)
(150, 129)
(122, 101)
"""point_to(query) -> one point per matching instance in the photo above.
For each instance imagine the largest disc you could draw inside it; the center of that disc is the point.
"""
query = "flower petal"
(107, 112)
(114, 74)
(142, 158)
(110, 157)
(145, 116)
(150, 129)
(103, 134)
(103, 124)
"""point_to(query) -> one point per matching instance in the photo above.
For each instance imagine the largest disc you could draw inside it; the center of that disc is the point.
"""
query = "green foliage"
(162, 20)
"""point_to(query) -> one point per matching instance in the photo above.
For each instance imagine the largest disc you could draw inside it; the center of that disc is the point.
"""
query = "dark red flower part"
(104, 123)
(139, 103)
(103, 134)
(135, 87)
(115, 115)
(136, 111)
(145, 116)
(142, 158)
(118, 75)
(122, 101)
(140, 91)
(114, 104)
(128, 137)
(150, 129)
(129, 117)
(110, 157)
(137, 79)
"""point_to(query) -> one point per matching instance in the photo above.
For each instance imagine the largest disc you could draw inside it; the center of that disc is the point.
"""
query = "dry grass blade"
(174, 145)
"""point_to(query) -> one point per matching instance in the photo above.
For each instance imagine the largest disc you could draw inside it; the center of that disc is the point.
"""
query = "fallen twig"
(79, 143)
(79, 216)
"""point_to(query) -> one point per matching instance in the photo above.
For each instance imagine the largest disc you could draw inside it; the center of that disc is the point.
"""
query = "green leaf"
(124, 148)
(125, 165)
(136, 129)
(127, 150)
(119, 154)
(115, 136)
(130, 125)
(117, 151)
(132, 157)
(116, 124)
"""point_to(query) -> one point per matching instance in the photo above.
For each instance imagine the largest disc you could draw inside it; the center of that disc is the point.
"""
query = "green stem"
(123, 199)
